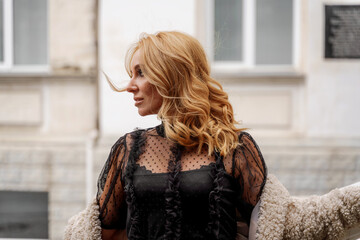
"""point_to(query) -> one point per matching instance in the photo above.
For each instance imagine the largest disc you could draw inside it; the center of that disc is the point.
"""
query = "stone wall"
(72, 36)
(56, 167)
(314, 170)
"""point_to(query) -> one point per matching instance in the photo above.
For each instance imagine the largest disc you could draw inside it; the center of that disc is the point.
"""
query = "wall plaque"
(342, 31)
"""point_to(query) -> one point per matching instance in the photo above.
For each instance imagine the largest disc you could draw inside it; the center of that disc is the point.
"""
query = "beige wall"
(63, 99)
(72, 42)
(48, 119)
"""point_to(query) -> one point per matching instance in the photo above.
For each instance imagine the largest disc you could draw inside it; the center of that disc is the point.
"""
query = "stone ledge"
(27, 140)
(264, 75)
(15, 76)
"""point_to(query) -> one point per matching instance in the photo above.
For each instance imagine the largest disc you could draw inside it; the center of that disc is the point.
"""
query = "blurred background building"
(292, 77)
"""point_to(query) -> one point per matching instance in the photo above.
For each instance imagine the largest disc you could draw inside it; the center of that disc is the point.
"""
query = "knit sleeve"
(323, 217)
(111, 195)
(250, 172)
(329, 216)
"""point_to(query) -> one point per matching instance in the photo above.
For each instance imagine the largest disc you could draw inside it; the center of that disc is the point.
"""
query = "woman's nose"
(131, 87)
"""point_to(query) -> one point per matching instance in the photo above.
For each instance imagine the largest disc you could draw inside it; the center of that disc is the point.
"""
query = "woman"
(196, 175)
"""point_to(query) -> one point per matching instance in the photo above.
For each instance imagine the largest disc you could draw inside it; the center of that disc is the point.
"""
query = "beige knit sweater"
(316, 217)
(280, 217)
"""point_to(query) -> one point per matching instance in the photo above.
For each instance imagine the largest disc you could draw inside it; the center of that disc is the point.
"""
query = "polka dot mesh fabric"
(153, 151)
(157, 155)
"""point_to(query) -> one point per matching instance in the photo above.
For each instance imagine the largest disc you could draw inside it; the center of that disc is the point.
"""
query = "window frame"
(8, 45)
(249, 24)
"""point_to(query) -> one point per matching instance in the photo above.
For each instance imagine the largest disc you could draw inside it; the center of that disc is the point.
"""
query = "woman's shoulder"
(249, 167)
(144, 132)
(140, 134)
(248, 149)
(246, 139)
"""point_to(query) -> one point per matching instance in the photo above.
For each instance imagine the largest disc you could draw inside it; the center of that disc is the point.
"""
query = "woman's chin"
(144, 113)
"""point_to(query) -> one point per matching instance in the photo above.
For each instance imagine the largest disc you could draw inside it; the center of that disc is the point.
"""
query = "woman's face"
(146, 97)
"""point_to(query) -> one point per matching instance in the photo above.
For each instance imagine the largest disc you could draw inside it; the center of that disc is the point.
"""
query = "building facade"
(59, 118)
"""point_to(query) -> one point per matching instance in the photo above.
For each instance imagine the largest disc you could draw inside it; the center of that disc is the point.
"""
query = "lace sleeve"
(249, 170)
(111, 195)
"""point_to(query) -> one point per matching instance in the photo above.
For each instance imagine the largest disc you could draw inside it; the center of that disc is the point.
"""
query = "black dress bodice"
(195, 187)
(156, 189)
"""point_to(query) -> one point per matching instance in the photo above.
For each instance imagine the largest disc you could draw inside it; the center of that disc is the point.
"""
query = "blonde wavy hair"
(195, 111)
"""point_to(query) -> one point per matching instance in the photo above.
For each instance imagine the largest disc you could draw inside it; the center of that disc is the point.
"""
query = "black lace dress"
(157, 189)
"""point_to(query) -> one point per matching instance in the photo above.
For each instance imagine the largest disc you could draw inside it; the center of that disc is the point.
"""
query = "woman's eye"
(140, 73)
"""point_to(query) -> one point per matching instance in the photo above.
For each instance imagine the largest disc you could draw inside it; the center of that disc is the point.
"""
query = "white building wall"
(122, 22)
(333, 85)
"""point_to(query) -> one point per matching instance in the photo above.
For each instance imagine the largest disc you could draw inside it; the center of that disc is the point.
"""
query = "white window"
(254, 34)
(23, 35)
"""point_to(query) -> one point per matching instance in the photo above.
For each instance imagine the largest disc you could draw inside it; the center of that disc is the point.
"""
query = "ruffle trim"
(213, 227)
(172, 196)
(160, 130)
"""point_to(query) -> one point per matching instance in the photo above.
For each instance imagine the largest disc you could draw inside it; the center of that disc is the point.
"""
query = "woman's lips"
(138, 101)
